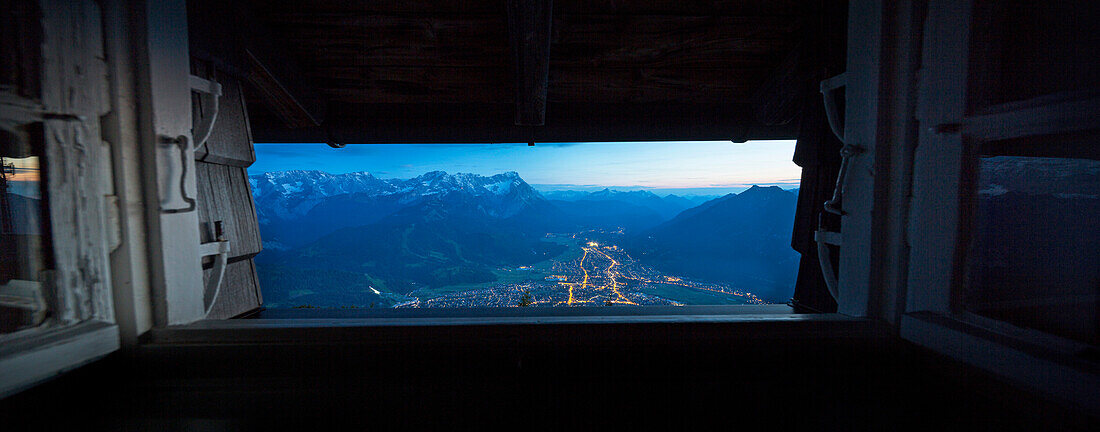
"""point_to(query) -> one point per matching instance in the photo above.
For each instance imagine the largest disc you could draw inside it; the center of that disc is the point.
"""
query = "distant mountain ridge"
(298, 206)
(741, 237)
(295, 207)
(293, 193)
(287, 194)
(387, 238)
(664, 207)
(432, 230)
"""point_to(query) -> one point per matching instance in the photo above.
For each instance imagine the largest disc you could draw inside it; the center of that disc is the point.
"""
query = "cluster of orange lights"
(611, 277)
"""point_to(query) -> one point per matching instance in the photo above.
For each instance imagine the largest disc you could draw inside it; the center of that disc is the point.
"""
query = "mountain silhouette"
(333, 239)
(742, 238)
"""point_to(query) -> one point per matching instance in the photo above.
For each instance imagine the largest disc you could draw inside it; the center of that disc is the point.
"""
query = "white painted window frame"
(163, 82)
(140, 54)
(81, 327)
(944, 171)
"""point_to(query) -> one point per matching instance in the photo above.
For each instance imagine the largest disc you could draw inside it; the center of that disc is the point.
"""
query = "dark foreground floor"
(672, 376)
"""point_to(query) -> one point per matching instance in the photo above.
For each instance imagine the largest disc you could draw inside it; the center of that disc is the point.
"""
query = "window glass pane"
(503, 225)
(1036, 249)
(24, 241)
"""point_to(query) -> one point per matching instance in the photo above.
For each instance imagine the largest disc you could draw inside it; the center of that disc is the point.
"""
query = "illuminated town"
(594, 272)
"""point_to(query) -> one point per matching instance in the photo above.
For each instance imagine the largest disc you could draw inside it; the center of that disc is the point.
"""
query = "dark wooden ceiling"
(393, 70)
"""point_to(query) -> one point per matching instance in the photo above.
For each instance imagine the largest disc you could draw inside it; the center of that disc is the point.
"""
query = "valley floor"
(594, 271)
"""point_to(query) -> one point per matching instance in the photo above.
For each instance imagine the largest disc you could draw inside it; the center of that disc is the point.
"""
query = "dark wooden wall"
(695, 69)
(608, 52)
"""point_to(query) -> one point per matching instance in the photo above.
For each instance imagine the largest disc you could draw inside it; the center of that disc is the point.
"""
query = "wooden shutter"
(224, 196)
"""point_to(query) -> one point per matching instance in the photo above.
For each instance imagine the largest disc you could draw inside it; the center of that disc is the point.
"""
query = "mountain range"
(298, 207)
(665, 207)
(742, 239)
(392, 236)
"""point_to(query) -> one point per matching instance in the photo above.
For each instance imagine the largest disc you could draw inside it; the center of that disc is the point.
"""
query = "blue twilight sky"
(696, 167)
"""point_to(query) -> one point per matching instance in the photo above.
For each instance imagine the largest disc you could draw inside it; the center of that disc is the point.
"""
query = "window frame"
(944, 189)
(82, 325)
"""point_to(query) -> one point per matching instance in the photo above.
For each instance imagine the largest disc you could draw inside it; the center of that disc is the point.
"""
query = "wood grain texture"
(410, 55)
(578, 84)
(642, 84)
(240, 290)
(610, 54)
(230, 141)
(786, 89)
(761, 8)
(529, 33)
(224, 195)
(334, 39)
(399, 84)
(565, 122)
(74, 83)
(670, 41)
(481, 40)
(227, 35)
(459, 7)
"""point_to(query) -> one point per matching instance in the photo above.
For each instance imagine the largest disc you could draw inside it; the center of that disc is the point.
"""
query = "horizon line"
(565, 186)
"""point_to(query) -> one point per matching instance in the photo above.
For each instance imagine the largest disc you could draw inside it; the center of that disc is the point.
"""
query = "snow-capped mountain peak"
(290, 194)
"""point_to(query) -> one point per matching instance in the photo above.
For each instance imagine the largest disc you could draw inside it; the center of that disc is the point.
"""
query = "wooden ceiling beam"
(818, 53)
(783, 8)
(529, 33)
(567, 84)
(228, 36)
(781, 96)
(578, 40)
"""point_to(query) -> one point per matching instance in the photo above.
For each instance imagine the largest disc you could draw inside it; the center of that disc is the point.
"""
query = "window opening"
(512, 225)
(24, 234)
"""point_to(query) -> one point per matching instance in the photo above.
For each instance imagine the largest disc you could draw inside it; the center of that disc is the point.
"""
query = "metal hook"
(183, 143)
(209, 92)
